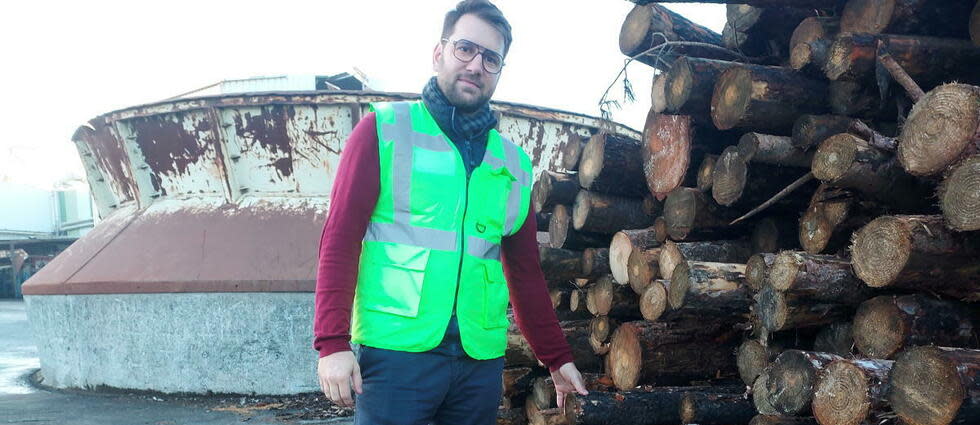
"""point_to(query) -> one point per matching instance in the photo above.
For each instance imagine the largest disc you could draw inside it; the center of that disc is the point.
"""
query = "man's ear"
(436, 56)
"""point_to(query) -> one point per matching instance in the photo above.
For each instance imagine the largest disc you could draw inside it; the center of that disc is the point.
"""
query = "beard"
(464, 96)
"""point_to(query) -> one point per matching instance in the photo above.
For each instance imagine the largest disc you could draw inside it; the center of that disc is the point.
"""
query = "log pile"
(794, 239)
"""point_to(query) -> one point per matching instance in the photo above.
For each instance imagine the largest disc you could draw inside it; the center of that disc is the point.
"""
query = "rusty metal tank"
(212, 210)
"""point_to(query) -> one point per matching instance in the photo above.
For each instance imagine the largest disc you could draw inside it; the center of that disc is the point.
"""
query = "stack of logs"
(795, 238)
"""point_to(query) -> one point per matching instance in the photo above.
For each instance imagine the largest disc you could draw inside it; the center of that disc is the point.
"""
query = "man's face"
(467, 85)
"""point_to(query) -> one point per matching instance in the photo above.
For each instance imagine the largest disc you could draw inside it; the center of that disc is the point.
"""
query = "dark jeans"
(442, 386)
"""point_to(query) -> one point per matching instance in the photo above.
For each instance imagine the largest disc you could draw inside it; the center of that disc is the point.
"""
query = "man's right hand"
(337, 372)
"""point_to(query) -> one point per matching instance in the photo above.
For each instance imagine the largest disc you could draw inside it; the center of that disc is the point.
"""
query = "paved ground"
(22, 402)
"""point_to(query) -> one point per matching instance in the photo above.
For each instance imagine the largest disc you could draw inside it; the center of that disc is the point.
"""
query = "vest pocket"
(392, 278)
(495, 297)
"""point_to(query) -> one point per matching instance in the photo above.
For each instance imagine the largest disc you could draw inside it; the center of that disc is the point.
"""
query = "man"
(430, 232)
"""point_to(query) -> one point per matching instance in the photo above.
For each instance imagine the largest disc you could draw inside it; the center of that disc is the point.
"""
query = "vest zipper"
(462, 242)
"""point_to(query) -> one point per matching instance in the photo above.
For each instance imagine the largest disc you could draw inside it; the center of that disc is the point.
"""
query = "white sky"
(64, 62)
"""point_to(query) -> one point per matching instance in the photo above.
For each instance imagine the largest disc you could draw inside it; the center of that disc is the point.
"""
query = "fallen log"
(824, 278)
(959, 198)
(648, 26)
(723, 251)
(919, 253)
(606, 298)
(936, 385)
(560, 264)
(943, 18)
(810, 130)
(607, 214)
(511, 416)
(689, 215)
(757, 270)
(669, 144)
(711, 289)
(519, 353)
(860, 99)
(850, 391)
(689, 84)
(562, 233)
(612, 165)
(764, 98)
(773, 150)
(517, 382)
(664, 353)
(552, 189)
(885, 325)
(810, 42)
(929, 61)
(716, 409)
(835, 338)
(643, 267)
(623, 244)
(780, 311)
(845, 160)
(640, 406)
(757, 31)
(793, 377)
(942, 129)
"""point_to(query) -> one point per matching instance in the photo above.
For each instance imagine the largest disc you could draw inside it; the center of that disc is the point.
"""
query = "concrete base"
(243, 343)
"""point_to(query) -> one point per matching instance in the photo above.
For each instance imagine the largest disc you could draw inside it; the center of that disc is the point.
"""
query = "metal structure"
(217, 195)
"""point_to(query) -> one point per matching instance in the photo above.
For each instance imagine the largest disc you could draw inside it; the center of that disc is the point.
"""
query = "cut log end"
(677, 88)
(680, 283)
(653, 302)
(861, 16)
(757, 270)
(773, 309)
(729, 177)
(835, 156)
(878, 329)
(784, 269)
(731, 98)
(839, 58)
(880, 250)
(633, 34)
(625, 357)
(705, 172)
(841, 396)
(752, 358)
(800, 56)
(792, 378)
(619, 253)
(939, 128)
(591, 161)
(926, 386)
(760, 395)
(959, 197)
(658, 96)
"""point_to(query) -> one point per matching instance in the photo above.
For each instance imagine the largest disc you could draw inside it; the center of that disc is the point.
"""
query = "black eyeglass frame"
(480, 51)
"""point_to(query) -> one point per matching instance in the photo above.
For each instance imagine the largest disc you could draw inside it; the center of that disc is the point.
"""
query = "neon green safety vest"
(434, 238)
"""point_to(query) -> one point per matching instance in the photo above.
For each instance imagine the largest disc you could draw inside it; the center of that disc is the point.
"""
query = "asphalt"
(24, 401)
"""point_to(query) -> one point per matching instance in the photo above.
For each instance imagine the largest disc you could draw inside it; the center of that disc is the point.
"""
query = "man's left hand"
(567, 380)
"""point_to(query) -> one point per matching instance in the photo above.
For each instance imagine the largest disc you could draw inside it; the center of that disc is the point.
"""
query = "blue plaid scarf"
(467, 131)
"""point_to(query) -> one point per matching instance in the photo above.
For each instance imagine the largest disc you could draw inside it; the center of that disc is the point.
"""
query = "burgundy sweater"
(352, 200)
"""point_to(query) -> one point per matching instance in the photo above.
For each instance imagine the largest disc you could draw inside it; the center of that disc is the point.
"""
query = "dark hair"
(484, 10)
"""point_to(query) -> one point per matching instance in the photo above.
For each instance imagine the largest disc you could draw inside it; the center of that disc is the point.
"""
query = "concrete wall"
(184, 342)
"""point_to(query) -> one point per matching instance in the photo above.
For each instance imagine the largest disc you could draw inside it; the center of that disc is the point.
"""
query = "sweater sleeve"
(352, 200)
(529, 295)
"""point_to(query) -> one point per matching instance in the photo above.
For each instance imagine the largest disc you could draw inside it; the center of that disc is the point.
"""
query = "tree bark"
(919, 253)
(664, 353)
(560, 264)
(773, 150)
(810, 130)
(936, 385)
(810, 42)
(608, 214)
(758, 31)
(811, 4)
(743, 185)
(612, 164)
(757, 270)
(829, 220)
(562, 233)
(723, 251)
(861, 99)
(711, 289)
(643, 267)
(942, 129)
(689, 214)
(764, 98)
(762, 419)
(606, 298)
(885, 325)
(642, 31)
(845, 160)
(705, 170)
(929, 61)
(823, 278)
(519, 354)
(774, 233)
(959, 198)
(623, 244)
(669, 144)
(850, 390)
(780, 311)
(689, 84)
(835, 338)
(553, 189)
(595, 262)
(942, 18)
(517, 383)
(792, 379)
(571, 152)
(640, 406)
(716, 409)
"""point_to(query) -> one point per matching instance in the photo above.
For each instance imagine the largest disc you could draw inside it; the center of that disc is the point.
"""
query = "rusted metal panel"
(229, 193)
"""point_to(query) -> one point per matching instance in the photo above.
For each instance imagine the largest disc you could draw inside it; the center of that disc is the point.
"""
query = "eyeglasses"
(466, 51)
